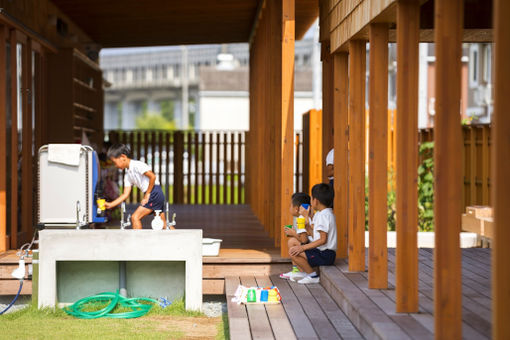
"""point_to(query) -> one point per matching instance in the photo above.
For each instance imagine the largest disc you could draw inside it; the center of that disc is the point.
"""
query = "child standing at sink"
(139, 174)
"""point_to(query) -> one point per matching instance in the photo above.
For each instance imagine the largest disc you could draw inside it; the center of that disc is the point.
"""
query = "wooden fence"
(476, 158)
(194, 167)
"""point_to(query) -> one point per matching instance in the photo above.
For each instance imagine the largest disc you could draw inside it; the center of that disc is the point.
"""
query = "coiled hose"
(137, 308)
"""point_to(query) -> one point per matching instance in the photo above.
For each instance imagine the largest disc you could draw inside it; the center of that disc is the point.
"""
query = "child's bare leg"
(302, 262)
(291, 243)
(136, 218)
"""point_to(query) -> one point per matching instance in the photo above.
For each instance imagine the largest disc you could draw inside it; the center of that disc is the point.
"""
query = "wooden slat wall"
(500, 171)
(447, 166)
(194, 179)
(271, 135)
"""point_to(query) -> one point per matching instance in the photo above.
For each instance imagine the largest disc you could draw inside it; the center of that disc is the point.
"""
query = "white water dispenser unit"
(68, 177)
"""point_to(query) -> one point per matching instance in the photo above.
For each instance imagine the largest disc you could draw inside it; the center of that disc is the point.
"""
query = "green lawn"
(172, 322)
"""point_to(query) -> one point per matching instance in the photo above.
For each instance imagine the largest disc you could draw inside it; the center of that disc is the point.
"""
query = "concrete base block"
(79, 263)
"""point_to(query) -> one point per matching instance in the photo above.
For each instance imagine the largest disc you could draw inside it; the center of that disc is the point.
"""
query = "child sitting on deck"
(140, 174)
(321, 251)
(296, 236)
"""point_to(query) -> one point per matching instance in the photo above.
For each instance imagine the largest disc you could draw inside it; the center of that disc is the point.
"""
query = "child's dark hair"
(299, 198)
(117, 150)
(323, 193)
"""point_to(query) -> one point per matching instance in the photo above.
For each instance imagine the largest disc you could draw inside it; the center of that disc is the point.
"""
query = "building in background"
(211, 81)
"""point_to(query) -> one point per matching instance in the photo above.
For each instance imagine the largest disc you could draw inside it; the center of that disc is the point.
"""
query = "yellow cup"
(300, 222)
(101, 204)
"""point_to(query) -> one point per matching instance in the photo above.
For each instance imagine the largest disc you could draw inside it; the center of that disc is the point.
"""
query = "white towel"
(68, 154)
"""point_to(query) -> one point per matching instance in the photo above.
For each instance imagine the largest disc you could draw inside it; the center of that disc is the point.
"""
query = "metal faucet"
(169, 224)
(127, 223)
(79, 223)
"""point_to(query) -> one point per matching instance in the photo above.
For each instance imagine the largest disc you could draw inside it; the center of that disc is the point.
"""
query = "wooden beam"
(3, 141)
(341, 140)
(286, 128)
(500, 171)
(357, 70)
(406, 291)
(447, 167)
(377, 160)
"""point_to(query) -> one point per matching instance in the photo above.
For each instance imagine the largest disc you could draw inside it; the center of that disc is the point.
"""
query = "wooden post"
(357, 70)
(377, 160)
(14, 141)
(285, 126)
(500, 171)
(3, 142)
(178, 167)
(27, 172)
(447, 167)
(327, 108)
(315, 149)
(341, 140)
(406, 290)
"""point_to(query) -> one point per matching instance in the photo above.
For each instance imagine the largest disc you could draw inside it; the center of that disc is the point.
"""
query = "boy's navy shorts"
(156, 199)
(317, 258)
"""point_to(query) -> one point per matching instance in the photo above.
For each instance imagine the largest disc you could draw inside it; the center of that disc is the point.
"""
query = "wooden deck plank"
(298, 319)
(282, 329)
(338, 319)
(370, 320)
(312, 309)
(239, 326)
(257, 316)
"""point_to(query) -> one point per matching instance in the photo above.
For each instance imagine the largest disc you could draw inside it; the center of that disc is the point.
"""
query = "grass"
(173, 322)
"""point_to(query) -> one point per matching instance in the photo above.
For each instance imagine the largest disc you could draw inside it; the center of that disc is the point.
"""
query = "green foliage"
(426, 188)
(154, 121)
(425, 192)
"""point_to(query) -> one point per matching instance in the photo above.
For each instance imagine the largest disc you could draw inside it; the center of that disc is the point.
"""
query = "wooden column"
(500, 171)
(357, 70)
(316, 160)
(447, 169)
(377, 160)
(327, 108)
(285, 126)
(406, 290)
(27, 172)
(3, 142)
(13, 199)
(341, 140)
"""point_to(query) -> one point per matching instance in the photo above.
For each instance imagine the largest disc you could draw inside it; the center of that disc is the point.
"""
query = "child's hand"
(296, 250)
(144, 201)
(305, 212)
(108, 205)
(289, 232)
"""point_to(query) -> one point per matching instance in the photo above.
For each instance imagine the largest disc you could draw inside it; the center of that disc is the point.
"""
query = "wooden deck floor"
(236, 225)
(374, 310)
(306, 312)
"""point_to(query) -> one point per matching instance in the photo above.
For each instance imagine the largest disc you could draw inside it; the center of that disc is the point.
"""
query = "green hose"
(137, 308)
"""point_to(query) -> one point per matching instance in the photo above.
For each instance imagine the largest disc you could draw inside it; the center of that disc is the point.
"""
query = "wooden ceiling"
(125, 23)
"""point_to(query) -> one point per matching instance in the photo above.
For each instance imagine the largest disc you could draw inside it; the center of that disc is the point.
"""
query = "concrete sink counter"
(79, 263)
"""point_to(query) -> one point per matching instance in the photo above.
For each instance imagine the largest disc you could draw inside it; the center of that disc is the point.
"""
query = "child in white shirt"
(322, 250)
(139, 174)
